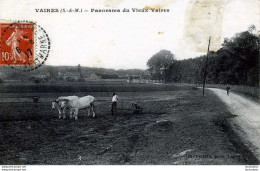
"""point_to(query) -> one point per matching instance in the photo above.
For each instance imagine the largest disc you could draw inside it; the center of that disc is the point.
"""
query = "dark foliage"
(237, 63)
(159, 63)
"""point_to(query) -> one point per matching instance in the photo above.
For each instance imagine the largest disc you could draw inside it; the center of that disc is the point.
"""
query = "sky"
(128, 40)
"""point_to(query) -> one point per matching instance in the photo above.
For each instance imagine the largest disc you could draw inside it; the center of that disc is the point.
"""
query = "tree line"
(7, 72)
(235, 63)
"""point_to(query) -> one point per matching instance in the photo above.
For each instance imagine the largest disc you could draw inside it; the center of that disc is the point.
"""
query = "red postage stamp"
(17, 44)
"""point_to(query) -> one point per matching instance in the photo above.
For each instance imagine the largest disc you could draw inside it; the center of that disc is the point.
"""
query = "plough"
(136, 108)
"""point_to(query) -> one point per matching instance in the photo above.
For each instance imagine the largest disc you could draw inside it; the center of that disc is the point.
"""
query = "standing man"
(228, 89)
(114, 104)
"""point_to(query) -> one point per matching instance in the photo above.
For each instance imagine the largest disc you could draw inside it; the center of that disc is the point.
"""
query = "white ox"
(60, 104)
(86, 102)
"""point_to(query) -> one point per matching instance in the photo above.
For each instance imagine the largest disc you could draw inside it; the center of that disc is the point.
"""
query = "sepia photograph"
(129, 83)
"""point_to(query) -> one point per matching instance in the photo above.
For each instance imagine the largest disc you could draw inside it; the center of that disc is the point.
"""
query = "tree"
(159, 63)
(173, 73)
(244, 49)
(52, 71)
(81, 77)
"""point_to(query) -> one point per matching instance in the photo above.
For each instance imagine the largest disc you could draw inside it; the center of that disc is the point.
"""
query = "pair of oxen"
(74, 104)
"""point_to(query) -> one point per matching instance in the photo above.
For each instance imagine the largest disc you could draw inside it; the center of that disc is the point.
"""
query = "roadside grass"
(249, 92)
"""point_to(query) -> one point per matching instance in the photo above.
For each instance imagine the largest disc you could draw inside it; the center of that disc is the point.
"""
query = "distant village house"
(95, 76)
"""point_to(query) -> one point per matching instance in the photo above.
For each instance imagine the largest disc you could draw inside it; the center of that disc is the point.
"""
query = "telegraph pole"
(206, 67)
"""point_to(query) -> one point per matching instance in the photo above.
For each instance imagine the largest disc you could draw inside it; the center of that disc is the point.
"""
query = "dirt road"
(247, 121)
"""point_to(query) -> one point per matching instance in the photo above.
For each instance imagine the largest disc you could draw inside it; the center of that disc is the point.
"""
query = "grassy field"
(178, 126)
(84, 87)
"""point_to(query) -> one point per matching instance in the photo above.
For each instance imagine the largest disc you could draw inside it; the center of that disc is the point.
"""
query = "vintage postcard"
(129, 82)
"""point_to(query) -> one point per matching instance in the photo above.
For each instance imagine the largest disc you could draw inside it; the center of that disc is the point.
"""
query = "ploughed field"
(176, 127)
